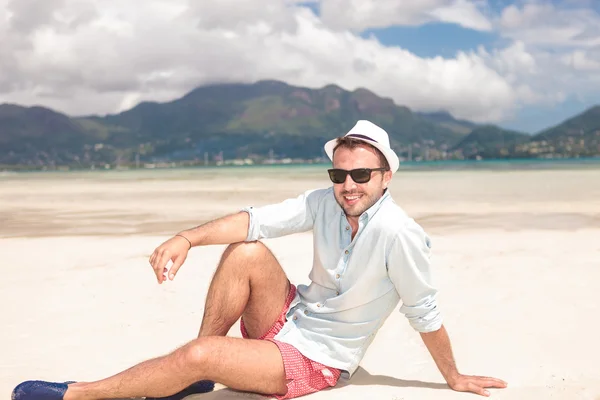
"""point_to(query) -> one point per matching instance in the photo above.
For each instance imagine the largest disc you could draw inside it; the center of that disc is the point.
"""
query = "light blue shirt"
(355, 283)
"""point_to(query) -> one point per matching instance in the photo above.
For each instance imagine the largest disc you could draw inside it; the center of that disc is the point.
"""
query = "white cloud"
(581, 61)
(236, 14)
(545, 24)
(513, 62)
(554, 51)
(358, 15)
(463, 13)
(101, 56)
(464, 85)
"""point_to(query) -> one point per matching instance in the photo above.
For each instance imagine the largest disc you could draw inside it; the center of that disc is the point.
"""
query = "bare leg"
(241, 364)
(248, 281)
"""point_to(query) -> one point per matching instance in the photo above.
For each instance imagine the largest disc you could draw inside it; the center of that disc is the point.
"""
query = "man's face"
(356, 198)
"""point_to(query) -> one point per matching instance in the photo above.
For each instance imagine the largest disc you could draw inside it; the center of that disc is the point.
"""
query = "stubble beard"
(366, 202)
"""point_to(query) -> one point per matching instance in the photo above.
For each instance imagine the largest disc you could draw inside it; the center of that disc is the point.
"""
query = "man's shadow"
(361, 378)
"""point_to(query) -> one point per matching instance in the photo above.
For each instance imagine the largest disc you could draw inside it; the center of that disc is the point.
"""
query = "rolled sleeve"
(409, 268)
(253, 231)
(424, 317)
(290, 216)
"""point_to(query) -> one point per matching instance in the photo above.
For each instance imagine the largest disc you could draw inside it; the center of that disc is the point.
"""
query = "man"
(368, 256)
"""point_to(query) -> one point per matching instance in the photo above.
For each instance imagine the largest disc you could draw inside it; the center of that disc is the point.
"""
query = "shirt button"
(347, 228)
(305, 312)
(337, 293)
(295, 317)
(318, 305)
(337, 276)
(346, 252)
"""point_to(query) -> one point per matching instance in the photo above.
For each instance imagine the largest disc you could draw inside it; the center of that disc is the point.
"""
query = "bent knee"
(249, 250)
(196, 353)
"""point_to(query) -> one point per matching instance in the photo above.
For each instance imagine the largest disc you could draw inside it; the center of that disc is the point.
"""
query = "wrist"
(182, 235)
(452, 377)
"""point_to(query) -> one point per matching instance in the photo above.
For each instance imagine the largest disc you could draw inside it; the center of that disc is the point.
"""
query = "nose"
(349, 184)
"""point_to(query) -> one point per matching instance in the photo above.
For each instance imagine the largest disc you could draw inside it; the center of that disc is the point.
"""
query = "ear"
(387, 177)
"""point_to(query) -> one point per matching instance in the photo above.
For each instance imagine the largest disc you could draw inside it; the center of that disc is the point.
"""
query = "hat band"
(362, 137)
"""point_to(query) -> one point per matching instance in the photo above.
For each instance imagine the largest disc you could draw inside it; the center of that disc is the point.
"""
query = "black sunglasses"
(360, 175)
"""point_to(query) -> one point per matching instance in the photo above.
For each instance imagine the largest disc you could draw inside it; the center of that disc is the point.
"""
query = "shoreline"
(435, 165)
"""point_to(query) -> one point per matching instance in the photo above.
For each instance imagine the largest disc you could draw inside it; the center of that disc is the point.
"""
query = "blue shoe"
(194, 388)
(40, 390)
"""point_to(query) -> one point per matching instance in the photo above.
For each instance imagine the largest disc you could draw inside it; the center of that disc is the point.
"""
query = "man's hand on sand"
(175, 249)
(475, 384)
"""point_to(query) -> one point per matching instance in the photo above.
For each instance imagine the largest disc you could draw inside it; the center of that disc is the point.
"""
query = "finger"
(157, 273)
(160, 265)
(492, 382)
(155, 256)
(162, 260)
(177, 263)
(487, 381)
(472, 387)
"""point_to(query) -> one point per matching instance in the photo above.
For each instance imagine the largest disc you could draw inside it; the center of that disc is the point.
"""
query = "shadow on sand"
(361, 378)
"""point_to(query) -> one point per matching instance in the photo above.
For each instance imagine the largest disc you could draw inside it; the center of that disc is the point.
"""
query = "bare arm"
(289, 216)
(225, 230)
(229, 229)
(438, 344)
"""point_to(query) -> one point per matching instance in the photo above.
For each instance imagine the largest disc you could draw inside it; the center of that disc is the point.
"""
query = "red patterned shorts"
(305, 376)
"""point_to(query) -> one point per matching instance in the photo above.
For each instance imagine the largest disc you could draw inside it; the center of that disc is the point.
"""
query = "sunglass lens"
(337, 175)
(361, 175)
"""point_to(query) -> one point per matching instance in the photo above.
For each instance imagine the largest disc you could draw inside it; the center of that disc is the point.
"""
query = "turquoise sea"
(307, 171)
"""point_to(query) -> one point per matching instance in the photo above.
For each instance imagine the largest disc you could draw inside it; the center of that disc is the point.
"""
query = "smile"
(352, 199)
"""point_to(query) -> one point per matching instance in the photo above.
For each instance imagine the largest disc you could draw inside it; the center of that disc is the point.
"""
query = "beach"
(516, 254)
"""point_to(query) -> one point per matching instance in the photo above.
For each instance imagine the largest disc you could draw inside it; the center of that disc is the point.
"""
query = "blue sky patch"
(434, 39)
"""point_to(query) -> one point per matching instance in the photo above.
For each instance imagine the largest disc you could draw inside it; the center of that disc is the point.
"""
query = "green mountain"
(262, 120)
(490, 141)
(235, 120)
(577, 136)
(38, 135)
(242, 119)
(446, 120)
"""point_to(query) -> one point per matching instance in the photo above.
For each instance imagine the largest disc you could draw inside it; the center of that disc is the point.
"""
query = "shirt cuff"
(253, 228)
(425, 317)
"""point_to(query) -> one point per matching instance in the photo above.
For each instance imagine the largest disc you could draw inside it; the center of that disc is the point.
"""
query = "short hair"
(352, 143)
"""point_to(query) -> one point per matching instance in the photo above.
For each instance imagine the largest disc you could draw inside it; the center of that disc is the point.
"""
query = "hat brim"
(389, 154)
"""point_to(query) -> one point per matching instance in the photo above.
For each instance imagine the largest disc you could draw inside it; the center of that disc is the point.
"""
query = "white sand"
(518, 275)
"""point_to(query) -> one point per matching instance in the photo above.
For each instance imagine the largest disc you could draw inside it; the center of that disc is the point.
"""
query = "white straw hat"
(372, 134)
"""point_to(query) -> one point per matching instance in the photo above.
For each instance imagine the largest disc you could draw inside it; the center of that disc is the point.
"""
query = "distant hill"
(239, 119)
(263, 120)
(577, 136)
(233, 120)
(38, 135)
(446, 120)
(490, 141)
(585, 125)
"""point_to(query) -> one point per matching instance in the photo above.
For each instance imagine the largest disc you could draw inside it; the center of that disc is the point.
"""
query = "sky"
(522, 64)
